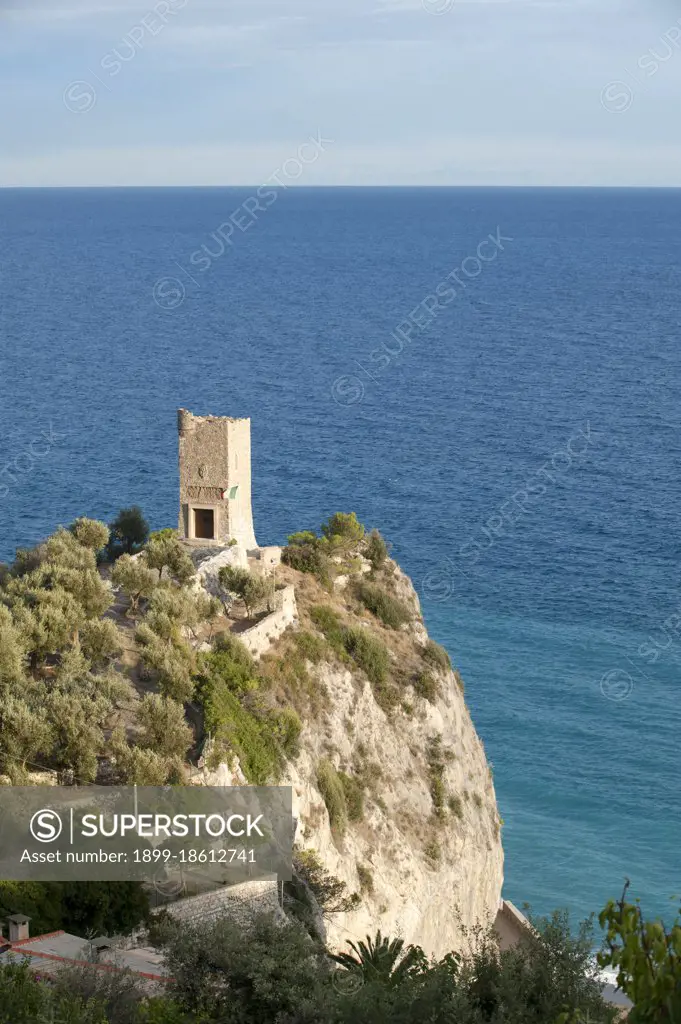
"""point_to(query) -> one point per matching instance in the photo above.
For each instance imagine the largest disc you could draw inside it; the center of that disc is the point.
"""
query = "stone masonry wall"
(259, 638)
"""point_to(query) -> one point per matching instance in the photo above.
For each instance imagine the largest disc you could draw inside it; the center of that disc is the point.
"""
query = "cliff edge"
(392, 791)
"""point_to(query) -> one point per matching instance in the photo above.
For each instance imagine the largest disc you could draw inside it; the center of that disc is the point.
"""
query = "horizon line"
(309, 188)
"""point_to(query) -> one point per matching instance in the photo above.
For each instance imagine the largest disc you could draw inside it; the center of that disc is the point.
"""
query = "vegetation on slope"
(271, 972)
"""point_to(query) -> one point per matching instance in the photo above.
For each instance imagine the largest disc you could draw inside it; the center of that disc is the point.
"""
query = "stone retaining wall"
(241, 902)
(260, 636)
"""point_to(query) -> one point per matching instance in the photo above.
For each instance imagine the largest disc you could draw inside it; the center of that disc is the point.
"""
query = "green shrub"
(329, 622)
(455, 804)
(432, 851)
(310, 646)
(288, 727)
(242, 732)
(366, 879)
(436, 655)
(384, 606)
(438, 793)
(343, 530)
(365, 649)
(309, 557)
(330, 893)
(354, 796)
(376, 550)
(368, 652)
(333, 793)
(303, 537)
(436, 770)
(426, 686)
(232, 664)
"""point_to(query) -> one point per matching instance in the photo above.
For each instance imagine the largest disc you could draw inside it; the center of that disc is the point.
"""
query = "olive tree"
(129, 529)
(90, 533)
(136, 580)
(165, 553)
(165, 729)
(100, 640)
(252, 589)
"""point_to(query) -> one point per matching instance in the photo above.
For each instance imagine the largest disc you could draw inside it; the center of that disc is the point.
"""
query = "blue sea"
(518, 440)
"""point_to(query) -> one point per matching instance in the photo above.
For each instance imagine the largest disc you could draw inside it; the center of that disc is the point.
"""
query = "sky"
(402, 92)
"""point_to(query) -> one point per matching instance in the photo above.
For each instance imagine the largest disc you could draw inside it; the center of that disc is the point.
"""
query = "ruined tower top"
(215, 480)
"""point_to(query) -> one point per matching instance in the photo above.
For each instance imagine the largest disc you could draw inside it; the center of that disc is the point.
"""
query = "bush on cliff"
(368, 652)
(342, 531)
(240, 717)
(392, 612)
(333, 793)
(364, 647)
(376, 550)
(305, 554)
(436, 655)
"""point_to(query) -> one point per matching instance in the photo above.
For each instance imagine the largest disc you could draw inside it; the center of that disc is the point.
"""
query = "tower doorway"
(204, 523)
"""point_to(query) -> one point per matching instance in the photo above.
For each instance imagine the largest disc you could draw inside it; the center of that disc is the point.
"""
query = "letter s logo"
(46, 826)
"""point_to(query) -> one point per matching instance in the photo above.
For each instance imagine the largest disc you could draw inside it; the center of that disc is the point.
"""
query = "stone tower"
(215, 480)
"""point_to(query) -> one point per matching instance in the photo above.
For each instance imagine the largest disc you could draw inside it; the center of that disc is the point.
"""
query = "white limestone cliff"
(423, 877)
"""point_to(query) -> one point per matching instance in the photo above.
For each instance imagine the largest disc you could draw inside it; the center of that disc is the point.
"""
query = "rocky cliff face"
(422, 845)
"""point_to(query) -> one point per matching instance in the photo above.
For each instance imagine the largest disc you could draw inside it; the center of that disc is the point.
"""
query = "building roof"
(47, 953)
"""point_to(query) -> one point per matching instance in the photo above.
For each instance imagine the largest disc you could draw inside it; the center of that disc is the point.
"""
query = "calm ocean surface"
(553, 373)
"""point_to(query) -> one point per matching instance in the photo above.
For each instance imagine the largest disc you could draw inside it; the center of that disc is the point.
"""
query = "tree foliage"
(90, 533)
(135, 579)
(272, 973)
(81, 908)
(164, 728)
(100, 641)
(165, 553)
(384, 960)
(250, 588)
(129, 530)
(343, 530)
(376, 549)
(647, 956)
(264, 971)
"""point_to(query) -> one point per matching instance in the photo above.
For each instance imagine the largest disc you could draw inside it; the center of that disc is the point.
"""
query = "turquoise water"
(552, 375)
